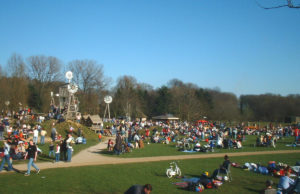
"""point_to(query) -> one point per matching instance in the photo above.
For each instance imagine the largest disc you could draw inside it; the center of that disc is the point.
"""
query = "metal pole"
(108, 112)
(105, 111)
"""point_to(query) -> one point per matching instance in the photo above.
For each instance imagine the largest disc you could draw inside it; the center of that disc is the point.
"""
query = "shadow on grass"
(105, 152)
(184, 189)
(13, 170)
(253, 190)
(193, 175)
(160, 175)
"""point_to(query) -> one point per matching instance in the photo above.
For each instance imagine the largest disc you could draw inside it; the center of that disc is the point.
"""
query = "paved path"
(91, 156)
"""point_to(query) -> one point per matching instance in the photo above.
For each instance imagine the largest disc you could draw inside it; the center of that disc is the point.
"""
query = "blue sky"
(234, 44)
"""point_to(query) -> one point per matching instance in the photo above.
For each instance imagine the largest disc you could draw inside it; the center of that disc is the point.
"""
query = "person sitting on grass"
(286, 184)
(139, 189)
(223, 168)
(269, 189)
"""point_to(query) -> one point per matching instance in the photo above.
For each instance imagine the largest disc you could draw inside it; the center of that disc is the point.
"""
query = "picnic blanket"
(188, 151)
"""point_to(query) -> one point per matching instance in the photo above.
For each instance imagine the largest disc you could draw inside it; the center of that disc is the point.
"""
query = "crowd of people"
(199, 136)
(24, 133)
(21, 134)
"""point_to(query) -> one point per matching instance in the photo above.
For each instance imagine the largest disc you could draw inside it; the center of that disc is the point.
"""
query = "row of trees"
(29, 83)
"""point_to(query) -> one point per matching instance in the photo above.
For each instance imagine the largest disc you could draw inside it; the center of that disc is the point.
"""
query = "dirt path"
(91, 156)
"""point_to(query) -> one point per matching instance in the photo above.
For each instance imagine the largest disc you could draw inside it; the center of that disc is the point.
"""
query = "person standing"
(35, 135)
(43, 134)
(69, 142)
(31, 152)
(79, 132)
(51, 150)
(1, 131)
(6, 157)
(53, 132)
(99, 137)
(118, 145)
(63, 149)
(57, 153)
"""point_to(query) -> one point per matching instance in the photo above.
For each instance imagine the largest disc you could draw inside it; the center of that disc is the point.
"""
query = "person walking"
(31, 152)
(6, 157)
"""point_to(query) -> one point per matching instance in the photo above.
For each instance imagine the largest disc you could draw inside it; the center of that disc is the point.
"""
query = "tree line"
(28, 82)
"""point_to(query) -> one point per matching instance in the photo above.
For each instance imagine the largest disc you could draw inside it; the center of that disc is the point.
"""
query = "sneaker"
(26, 174)
(38, 171)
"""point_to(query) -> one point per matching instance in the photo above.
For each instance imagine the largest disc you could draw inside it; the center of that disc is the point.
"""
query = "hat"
(205, 173)
(269, 182)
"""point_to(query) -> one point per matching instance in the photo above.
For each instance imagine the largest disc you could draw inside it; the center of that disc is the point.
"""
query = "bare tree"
(16, 66)
(289, 4)
(88, 74)
(43, 73)
(44, 69)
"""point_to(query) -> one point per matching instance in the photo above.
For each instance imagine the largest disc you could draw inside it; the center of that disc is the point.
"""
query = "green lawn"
(117, 178)
(159, 149)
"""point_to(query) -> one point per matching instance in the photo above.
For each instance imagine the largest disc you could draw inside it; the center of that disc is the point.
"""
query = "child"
(51, 149)
(57, 153)
(71, 130)
(59, 137)
(99, 137)
(110, 145)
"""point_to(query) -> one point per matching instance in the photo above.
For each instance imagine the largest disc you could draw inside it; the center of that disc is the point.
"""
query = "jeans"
(53, 136)
(4, 159)
(57, 156)
(69, 154)
(51, 152)
(118, 152)
(31, 163)
(63, 155)
(42, 140)
(35, 139)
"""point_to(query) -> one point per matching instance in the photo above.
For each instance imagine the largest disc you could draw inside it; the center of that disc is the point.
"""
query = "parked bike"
(173, 170)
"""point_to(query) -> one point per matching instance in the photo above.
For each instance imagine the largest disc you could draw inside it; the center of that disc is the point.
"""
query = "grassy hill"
(64, 127)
